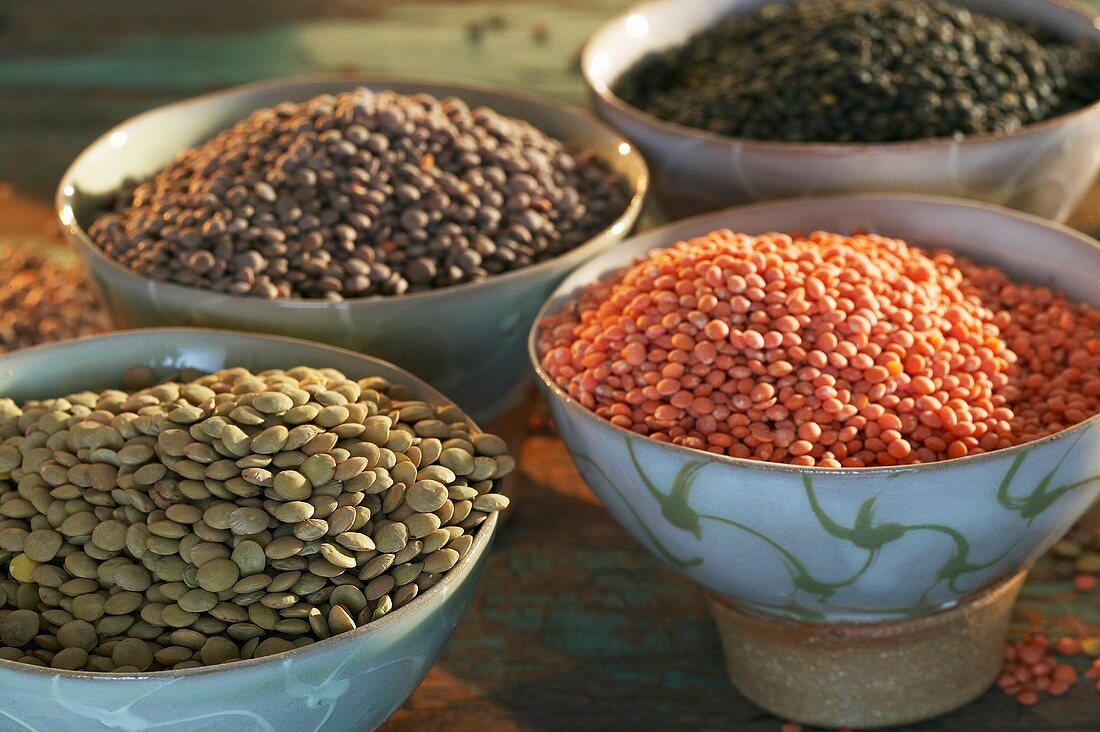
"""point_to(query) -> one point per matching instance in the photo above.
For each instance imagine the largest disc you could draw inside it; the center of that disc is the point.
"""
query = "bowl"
(352, 682)
(860, 544)
(465, 340)
(860, 597)
(1044, 168)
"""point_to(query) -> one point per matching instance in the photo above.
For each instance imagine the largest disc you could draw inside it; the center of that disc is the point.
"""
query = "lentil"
(824, 350)
(864, 71)
(1076, 555)
(1084, 583)
(1030, 670)
(162, 578)
(359, 194)
(44, 299)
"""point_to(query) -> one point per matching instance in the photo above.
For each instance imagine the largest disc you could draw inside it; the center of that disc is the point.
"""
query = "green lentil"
(132, 652)
(70, 659)
(172, 655)
(122, 603)
(339, 621)
(213, 529)
(18, 627)
(392, 538)
(198, 601)
(218, 575)
(218, 650)
(249, 558)
(42, 545)
(426, 496)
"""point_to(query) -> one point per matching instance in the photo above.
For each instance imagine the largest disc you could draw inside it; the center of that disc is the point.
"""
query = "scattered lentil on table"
(1031, 668)
(864, 71)
(1075, 556)
(228, 516)
(359, 194)
(43, 299)
(826, 350)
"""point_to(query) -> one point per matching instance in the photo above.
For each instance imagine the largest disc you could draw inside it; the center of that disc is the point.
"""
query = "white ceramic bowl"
(466, 340)
(1043, 169)
(862, 544)
(348, 683)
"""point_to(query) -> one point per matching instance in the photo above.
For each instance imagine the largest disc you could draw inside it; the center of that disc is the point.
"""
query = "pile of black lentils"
(360, 194)
(864, 71)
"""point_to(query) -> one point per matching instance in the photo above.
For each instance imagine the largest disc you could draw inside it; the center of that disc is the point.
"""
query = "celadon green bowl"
(848, 545)
(351, 682)
(466, 340)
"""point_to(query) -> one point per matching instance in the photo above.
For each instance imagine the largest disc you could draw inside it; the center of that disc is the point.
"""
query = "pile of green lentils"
(227, 516)
(864, 71)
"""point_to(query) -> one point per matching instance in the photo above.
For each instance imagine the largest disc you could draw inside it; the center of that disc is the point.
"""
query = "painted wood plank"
(575, 626)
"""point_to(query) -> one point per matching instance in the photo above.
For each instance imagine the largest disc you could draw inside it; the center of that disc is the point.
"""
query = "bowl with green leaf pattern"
(854, 545)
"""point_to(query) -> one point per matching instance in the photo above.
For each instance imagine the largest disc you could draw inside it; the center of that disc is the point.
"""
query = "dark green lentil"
(864, 71)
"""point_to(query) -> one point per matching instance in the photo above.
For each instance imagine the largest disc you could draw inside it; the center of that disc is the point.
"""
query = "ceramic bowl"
(352, 682)
(863, 544)
(1043, 169)
(466, 340)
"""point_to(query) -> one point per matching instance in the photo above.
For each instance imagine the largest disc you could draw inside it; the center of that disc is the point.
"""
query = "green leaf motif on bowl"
(658, 547)
(1040, 498)
(864, 533)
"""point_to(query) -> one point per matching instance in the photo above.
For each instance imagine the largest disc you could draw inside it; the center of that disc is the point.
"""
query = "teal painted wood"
(70, 69)
(575, 626)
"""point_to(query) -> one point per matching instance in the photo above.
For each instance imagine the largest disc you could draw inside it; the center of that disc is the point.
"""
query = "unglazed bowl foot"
(868, 674)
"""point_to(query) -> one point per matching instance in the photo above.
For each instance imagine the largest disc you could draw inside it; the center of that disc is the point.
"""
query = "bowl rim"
(713, 219)
(603, 95)
(482, 538)
(637, 185)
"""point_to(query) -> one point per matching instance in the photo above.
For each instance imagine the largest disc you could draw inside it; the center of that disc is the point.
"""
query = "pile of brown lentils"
(229, 516)
(864, 71)
(360, 194)
(43, 300)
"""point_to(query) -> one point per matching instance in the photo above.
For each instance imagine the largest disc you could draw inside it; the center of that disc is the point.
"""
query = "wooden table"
(574, 626)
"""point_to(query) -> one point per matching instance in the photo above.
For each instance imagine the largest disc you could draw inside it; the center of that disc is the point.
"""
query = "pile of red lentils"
(1031, 668)
(825, 350)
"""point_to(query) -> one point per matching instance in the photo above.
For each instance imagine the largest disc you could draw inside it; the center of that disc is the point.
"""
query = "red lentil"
(1027, 698)
(825, 350)
(1029, 670)
(1068, 646)
(1085, 583)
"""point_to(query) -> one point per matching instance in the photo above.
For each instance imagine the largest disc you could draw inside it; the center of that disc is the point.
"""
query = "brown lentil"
(44, 299)
(825, 350)
(151, 578)
(359, 194)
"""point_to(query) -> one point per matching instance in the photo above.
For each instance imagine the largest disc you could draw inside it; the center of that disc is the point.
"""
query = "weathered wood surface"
(575, 626)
